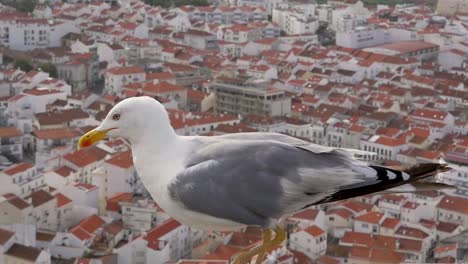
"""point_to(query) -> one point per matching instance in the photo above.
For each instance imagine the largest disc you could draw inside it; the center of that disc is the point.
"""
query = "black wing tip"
(426, 169)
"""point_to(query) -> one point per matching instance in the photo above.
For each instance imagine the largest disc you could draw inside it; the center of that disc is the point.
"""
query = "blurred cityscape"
(388, 79)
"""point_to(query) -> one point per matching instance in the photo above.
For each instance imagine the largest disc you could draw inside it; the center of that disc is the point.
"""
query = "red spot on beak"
(86, 143)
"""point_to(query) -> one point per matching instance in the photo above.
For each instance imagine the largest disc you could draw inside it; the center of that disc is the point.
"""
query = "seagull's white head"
(132, 119)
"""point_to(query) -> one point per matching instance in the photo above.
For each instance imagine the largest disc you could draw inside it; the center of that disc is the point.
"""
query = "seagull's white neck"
(154, 141)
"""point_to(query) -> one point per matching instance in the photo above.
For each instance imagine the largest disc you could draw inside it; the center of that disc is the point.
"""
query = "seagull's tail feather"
(384, 181)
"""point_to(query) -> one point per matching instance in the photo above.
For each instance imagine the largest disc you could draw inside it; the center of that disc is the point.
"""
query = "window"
(365, 225)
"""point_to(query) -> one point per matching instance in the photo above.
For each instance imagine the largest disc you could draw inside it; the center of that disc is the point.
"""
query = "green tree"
(50, 68)
(24, 65)
(21, 5)
(7, 59)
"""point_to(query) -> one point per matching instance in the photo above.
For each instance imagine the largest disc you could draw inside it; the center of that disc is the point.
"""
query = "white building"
(21, 179)
(116, 78)
(141, 215)
(29, 34)
(453, 209)
(369, 223)
(311, 241)
(295, 22)
(368, 36)
(169, 241)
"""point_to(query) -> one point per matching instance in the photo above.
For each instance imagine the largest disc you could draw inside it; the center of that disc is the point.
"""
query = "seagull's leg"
(246, 257)
(266, 240)
(278, 240)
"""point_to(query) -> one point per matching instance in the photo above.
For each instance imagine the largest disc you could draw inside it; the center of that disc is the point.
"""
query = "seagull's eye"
(116, 117)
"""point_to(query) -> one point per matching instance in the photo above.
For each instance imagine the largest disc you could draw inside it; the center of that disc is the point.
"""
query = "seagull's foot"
(268, 243)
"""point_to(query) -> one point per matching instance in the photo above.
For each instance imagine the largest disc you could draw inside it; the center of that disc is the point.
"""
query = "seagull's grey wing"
(315, 148)
(253, 182)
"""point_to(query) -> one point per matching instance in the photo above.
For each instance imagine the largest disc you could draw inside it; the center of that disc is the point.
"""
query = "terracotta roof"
(410, 245)
(16, 201)
(84, 157)
(42, 236)
(40, 197)
(113, 228)
(408, 46)
(5, 235)
(454, 203)
(411, 232)
(112, 203)
(61, 133)
(64, 171)
(60, 117)
(90, 224)
(371, 217)
(10, 132)
(308, 214)
(314, 231)
(355, 206)
(126, 70)
(18, 168)
(344, 213)
(154, 235)
(390, 222)
(62, 200)
(40, 91)
(357, 238)
(376, 255)
(430, 114)
(85, 186)
(445, 248)
(123, 160)
(23, 252)
(447, 227)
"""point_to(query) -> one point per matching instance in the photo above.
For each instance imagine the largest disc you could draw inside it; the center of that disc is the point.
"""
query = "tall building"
(246, 97)
(450, 7)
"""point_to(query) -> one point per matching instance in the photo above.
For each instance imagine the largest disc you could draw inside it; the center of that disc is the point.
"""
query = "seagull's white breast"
(157, 172)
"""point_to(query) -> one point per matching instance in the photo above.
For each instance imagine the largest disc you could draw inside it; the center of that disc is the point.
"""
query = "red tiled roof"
(18, 168)
(390, 222)
(430, 114)
(411, 232)
(126, 70)
(371, 217)
(112, 203)
(85, 186)
(62, 200)
(454, 203)
(123, 160)
(5, 235)
(16, 201)
(61, 133)
(40, 197)
(64, 171)
(84, 157)
(10, 132)
(357, 238)
(90, 224)
(344, 213)
(308, 214)
(314, 231)
(154, 236)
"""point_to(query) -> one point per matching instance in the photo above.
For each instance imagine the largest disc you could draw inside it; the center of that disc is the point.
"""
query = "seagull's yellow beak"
(92, 137)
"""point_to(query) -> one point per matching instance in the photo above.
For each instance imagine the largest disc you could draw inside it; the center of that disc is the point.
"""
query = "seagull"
(228, 182)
